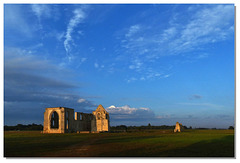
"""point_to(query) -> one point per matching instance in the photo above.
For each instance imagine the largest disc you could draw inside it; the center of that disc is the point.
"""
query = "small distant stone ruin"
(65, 120)
(179, 127)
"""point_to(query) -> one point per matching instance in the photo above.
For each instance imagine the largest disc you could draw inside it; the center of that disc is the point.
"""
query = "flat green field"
(155, 143)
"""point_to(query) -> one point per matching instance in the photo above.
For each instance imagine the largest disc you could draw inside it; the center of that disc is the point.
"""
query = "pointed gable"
(100, 108)
(101, 119)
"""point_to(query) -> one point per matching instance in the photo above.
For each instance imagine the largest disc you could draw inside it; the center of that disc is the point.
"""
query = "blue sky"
(155, 64)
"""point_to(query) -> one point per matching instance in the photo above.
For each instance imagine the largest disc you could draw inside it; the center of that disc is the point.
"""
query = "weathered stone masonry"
(64, 120)
(179, 127)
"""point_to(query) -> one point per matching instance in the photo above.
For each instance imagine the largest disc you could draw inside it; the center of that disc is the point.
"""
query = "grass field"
(156, 143)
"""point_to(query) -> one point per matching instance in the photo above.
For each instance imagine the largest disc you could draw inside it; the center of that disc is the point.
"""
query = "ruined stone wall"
(82, 121)
(179, 127)
(69, 120)
(64, 120)
(59, 119)
(93, 124)
(101, 120)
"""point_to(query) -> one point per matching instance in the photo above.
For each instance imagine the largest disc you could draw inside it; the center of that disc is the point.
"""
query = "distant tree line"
(124, 128)
(21, 127)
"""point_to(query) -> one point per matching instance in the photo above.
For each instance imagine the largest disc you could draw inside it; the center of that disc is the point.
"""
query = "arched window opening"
(81, 118)
(67, 124)
(99, 116)
(67, 120)
(54, 120)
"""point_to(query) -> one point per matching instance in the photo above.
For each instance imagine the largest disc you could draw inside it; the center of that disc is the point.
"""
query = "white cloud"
(131, 79)
(127, 112)
(112, 106)
(167, 75)
(78, 17)
(132, 30)
(59, 36)
(136, 64)
(121, 110)
(96, 65)
(83, 60)
(81, 100)
(41, 10)
(80, 32)
(168, 34)
(149, 75)
(208, 25)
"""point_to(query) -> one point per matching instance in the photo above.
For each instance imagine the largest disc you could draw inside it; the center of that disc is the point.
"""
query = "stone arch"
(98, 115)
(54, 119)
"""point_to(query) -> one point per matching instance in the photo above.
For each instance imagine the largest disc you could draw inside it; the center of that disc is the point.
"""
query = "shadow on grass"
(122, 145)
(223, 147)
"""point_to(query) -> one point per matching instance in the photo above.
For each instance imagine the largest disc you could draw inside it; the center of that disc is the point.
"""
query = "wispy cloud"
(136, 64)
(131, 79)
(132, 30)
(96, 65)
(79, 16)
(148, 44)
(149, 75)
(209, 25)
(41, 10)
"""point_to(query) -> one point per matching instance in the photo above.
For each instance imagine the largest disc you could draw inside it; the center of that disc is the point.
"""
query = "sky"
(145, 63)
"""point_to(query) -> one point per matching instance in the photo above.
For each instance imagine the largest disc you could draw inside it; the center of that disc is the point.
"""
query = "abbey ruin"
(65, 120)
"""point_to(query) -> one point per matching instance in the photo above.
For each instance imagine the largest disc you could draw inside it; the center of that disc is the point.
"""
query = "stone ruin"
(179, 127)
(64, 120)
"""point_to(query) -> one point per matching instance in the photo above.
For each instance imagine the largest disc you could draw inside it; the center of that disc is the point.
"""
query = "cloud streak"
(79, 16)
